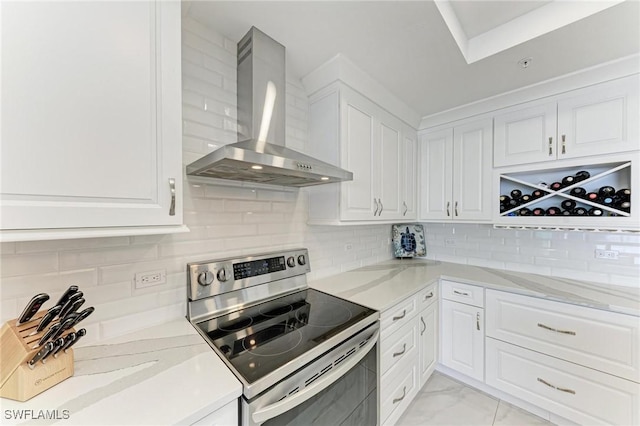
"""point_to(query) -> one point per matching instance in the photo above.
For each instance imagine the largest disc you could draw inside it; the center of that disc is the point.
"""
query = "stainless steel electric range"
(303, 356)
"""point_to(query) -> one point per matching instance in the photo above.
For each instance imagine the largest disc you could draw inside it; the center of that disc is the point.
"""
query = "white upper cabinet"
(349, 130)
(91, 116)
(601, 119)
(455, 177)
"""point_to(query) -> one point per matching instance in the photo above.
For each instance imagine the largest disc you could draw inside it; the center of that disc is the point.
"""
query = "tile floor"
(444, 401)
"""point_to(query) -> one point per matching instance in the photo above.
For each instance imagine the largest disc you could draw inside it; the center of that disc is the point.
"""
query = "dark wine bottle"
(608, 201)
(537, 212)
(537, 194)
(592, 196)
(625, 206)
(578, 192)
(556, 186)
(579, 211)
(524, 212)
(568, 204)
(567, 212)
(568, 180)
(582, 175)
(504, 199)
(525, 198)
(624, 194)
(606, 191)
(512, 203)
(553, 211)
(516, 194)
(595, 211)
(503, 208)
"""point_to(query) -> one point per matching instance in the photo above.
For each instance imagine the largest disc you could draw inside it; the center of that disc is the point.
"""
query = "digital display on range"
(258, 267)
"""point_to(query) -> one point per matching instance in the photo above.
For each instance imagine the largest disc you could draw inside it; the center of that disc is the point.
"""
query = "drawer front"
(577, 393)
(427, 296)
(399, 315)
(396, 392)
(399, 346)
(606, 341)
(463, 293)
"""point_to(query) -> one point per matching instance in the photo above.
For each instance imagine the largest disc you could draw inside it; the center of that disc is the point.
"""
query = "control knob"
(291, 262)
(302, 260)
(222, 275)
(205, 278)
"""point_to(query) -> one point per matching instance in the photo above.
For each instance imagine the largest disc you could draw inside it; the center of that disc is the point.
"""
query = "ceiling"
(408, 47)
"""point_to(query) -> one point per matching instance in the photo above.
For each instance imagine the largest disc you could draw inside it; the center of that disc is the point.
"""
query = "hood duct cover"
(261, 156)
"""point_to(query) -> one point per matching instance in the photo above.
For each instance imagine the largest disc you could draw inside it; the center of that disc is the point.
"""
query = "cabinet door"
(525, 135)
(408, 175)
(428, 342)
(472, 170)
(357, 133)
(462, 338)
(91, 114)
(390, 169)
(435, 160)
(600, 120)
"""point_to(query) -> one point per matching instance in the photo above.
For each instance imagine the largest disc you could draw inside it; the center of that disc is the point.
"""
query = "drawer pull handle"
(557, 388)
(478, 321)
(428, 296)
(448, 204)
(404, 313)
(424, 325)
(564, 141)
(404, 349)
(404, 393)
(172, 191)
(550, 145)
(461, 293)
(572, 333)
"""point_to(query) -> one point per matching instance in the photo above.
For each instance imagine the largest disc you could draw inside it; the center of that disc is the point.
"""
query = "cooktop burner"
(259, 339)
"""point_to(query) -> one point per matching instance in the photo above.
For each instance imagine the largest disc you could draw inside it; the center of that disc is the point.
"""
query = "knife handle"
(32, 307)
(68, 307)
(57, 345)
(64, 325)
(41, 354)
(83, 314)
(53, 329)
(47, 318)
(68, 341)
(79, 334)
(65, 296)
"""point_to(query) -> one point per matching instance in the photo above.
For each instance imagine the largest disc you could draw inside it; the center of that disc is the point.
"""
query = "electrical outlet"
(348, 246)
(449, 242)
(150, 278)
(607, 254)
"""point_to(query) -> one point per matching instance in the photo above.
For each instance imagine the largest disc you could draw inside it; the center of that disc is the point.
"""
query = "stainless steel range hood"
(261, 156)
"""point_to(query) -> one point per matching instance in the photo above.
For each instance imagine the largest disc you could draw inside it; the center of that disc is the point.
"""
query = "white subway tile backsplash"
(75, 259)
(26, 264)
(30, 284)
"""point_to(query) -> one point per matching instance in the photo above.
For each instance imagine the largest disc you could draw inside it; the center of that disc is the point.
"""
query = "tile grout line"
(496, 413)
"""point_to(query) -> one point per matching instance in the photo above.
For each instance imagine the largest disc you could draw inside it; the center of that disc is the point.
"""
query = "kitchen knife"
(68, 341)
(66, 308)
(46, 319)
(75, 304)
(32, 307)
(82, 315)
(64, 325)
(41, 354)
(57, 345)
(65, 296)
(79, 334)
(53, 329)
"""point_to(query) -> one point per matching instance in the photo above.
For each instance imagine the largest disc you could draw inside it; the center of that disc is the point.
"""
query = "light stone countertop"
(165, 374)
(382, 285)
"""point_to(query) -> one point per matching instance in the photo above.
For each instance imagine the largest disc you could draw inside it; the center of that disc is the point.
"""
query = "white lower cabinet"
(462, 330)
(224, 416)
(577, 393)
(428, 342)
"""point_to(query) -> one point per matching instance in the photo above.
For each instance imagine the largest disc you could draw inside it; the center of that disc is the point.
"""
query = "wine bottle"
(504, 199)
(568, 204)
(608, 201)
(578, 192)
(537, 212)
(525, 198)
(592, 196)
(624, 206)
(537, 194)
(582, 175)
(503, 208)
(579, 211)
(516, 194)
(556, 186)
(553, 211)
(606, 191)
(623, 194)
(595, 211)
(567, 212)
(568, 180)
(524, 212)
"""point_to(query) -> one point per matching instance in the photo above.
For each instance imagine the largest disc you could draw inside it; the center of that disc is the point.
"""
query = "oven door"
(340, 387)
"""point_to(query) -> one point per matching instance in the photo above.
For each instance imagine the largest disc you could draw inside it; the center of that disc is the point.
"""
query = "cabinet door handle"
(546, 327)
(455, 208)
(428, 296)
(377, 207)
(404, 393)
(424, 325)
(404, 312)
(448, 204)
(564, 150)
(550, 146)
(571, 391)
(461, 293)
(381, 206)
(404, 349)
(478, 321)
(172, 189)
(406, 209)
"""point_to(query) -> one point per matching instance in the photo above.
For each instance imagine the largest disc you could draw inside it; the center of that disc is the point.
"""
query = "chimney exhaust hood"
(261, 156)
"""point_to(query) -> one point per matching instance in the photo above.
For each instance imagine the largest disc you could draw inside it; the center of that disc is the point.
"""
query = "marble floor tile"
(510, 415)
(444, 401)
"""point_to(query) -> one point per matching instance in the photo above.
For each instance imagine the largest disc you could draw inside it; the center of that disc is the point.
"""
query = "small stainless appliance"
(303, 356)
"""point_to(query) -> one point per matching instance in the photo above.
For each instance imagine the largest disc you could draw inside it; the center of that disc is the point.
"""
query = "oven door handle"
(275, 409)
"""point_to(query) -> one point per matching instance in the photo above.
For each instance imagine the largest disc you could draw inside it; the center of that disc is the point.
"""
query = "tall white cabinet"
(455, 172)
(348, 129)
(91, 117)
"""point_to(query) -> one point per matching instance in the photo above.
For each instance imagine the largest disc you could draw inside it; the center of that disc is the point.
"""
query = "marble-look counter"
(166, 374)
(384, 284)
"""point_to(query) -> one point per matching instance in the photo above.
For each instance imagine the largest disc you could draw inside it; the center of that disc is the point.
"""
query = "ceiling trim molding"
(542, 20)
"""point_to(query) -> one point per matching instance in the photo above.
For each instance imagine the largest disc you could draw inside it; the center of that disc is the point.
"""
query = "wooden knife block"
(17, 380)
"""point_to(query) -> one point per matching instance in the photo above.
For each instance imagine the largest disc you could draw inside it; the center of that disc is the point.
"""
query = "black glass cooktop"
(259, 339)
